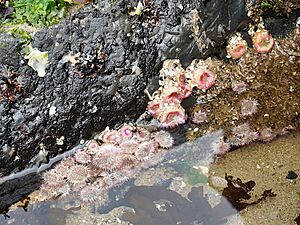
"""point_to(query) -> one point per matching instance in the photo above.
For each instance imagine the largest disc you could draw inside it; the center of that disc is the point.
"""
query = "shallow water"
(268, 165)
(184, 189)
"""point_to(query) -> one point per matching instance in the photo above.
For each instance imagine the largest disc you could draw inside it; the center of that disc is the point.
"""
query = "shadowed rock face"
(117, 54)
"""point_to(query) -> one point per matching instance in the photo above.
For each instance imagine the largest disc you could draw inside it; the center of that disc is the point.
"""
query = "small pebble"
(291, 175)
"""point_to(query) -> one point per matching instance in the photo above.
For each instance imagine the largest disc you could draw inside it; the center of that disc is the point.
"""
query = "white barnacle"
(60, 141)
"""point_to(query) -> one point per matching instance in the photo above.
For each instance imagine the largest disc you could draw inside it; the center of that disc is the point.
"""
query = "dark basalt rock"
(16, 189)
(117, 55)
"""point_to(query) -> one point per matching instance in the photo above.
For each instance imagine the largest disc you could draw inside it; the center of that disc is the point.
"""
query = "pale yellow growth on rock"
(37, 60)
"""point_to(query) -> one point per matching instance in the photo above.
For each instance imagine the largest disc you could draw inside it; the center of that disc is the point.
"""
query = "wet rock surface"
(100, 61)
(17, 189)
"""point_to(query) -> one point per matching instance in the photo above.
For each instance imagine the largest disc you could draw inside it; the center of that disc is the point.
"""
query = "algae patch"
(38, 13)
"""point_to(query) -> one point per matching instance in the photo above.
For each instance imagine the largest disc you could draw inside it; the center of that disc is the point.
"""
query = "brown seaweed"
(297, 220)
(237, 192)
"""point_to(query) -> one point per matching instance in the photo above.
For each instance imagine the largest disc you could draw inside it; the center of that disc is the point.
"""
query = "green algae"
(38, 13)
(271, 4)
(191, 175)
(23, 35)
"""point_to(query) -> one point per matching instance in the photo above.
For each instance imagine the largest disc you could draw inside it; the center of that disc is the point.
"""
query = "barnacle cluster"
(109, 160)
(176, 85)
(256, 96)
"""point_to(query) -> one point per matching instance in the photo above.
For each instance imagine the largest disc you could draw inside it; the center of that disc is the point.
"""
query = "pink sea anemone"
(176, 93)
(203, 78)
(241, 130)
(118, 178)
(78, 174)
(199, 117)
(249, 107)
(107, 161)
(164, 139)
(267, 135)
(90, 194)
(82, 157)
(239, 87)
(92, 147)
(53, 180)
(186, 90)
(126, 131)
(129, 146)
(172, 94)
(221, 147)
(177, 85)
(172, 116)
(249, 137)
(244, 134)
(61, 169)
(67, 162)
(286, 130)
(155, 106)
(146, 149)
(237, 47)
(262, 41)
(111, 136)
(142, 135)
(128, 160)
(108, 148)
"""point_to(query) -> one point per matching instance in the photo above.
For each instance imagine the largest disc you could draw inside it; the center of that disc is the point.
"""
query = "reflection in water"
(174, 191)
(153, 204)
(199, 152)
(38, 214)
(160, 206)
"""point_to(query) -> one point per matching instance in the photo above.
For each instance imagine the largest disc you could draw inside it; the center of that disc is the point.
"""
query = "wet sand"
(267, 165)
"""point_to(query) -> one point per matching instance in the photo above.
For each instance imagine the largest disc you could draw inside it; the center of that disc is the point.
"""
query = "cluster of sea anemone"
(262, 42)
(177, 84)
(112, 158)
(243, 134)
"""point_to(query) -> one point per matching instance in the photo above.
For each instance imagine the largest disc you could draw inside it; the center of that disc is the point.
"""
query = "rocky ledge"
(101, 59)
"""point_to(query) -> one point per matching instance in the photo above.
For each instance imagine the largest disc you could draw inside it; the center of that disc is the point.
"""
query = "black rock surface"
(117, 54)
